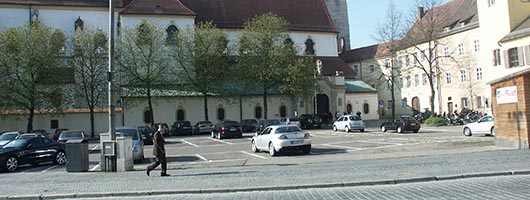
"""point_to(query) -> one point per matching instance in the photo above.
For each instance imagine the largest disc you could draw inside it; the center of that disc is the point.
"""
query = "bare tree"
(89, 60)
(389, 33)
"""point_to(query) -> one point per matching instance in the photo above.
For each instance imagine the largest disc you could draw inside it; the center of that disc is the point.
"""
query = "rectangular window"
(404, 102)
(407, 60)
(496, 57)
(387, 63)
(408, 81)
(372, 68)
(513, 57)
(480, 103)
(415, 57)
(356, 68)
(476, 44)
(465, 103)
(416, 80)
(463, 76)
(423, 55)
(448, 78)
(54, 124)
(461, 49)
(400, 82)
(478, 71)
(424, 78)
(389, 104)
(491, 3)
(446, 51)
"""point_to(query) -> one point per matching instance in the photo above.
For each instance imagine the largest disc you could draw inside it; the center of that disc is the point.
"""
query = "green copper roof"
(357, 86)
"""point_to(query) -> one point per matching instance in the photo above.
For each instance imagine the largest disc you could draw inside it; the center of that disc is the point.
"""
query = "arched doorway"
(416, 104)
(322, 107)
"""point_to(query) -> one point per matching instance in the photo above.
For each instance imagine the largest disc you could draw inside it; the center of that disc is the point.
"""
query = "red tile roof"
(359, 54)
(83, 3)
(157, 7)
(330, 65)
(303, 15)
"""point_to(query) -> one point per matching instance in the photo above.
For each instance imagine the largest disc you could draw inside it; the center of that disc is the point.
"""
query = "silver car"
(278, 138)
(137, 143)
(348, 123)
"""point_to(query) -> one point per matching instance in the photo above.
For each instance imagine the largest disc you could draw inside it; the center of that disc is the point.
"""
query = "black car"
(224, 129)
(401, 123)
(181, 128)
(310, 121)
(267, 122)
(147, 134)
(32, 150)
(248, 125)
(155, 128)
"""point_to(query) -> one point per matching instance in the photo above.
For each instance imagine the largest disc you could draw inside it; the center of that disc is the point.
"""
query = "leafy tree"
(202, 55)
(144, 61)
(389, 33)
(89, 60)
(30, 60)
(265, 49)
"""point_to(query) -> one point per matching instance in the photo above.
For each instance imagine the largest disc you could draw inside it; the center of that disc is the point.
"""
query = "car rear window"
(231, 123)
(71, 134)
(288, 129)
(129, 133)
(408, 119)
(355, 118)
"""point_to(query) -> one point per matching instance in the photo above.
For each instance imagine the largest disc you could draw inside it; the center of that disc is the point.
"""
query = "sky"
(364, 15)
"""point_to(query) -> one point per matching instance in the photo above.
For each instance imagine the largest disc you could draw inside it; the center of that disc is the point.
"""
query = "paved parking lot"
(202, 150)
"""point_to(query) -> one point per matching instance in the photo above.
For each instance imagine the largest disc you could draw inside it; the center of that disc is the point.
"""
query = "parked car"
(483, 126)
(71, 135)
(348, 123)
(147, 134)
(137, 143)
(181, 128)
(310, 121)
(41, 132)
(8, 136)
(33, 151)
(224, 129)
(58, 132)
(281, 138)
(290, 120)
(401, 123)
(155, 128)
(266, 122)
(248, 125)
(29, 135)
(202, 127)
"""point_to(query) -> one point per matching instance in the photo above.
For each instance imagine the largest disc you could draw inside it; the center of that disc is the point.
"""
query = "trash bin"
(77, 156)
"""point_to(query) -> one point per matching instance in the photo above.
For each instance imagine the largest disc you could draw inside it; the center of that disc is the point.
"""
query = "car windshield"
(186, 123)
(8, 136)
(71, 134)
(408, 119)
(288, 129)
(18, 143)
(129, 133)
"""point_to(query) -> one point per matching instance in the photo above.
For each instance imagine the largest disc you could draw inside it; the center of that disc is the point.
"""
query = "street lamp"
(112, 114)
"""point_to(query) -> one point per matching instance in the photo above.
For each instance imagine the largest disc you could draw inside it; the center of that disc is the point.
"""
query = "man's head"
(161, 127)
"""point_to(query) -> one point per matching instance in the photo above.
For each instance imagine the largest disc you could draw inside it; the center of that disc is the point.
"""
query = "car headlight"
(283, 137)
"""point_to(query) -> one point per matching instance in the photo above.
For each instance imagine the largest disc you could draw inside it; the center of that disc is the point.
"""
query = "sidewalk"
(53, 185)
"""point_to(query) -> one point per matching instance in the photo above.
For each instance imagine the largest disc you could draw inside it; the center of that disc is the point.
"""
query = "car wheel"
(362, 130)
(334, 128)
(383, 128)
(254, 147)
(347, 129)
(399, 129)
(60, 158)
(11, 164)
(467, 131)
(272, 151)
(492, 131)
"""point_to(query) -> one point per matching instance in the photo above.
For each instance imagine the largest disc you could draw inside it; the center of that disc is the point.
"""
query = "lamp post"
(110, 73)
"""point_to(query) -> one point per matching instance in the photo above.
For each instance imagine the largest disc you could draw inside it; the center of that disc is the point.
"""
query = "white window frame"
(461, 49)
(478, 72)
(476, 45)
(424, 78)
(448, 78)
(463, 75)
(416, 80)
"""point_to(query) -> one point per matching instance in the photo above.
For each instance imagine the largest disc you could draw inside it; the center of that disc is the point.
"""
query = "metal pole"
(112, 115)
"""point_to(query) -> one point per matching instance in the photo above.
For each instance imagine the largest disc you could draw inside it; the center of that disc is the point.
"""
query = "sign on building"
(506, 95)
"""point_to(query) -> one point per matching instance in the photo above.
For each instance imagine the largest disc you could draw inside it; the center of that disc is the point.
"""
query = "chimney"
(421, 12)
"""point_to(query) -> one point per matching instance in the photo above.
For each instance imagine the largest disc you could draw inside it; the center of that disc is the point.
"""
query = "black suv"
(310, 121)
(401, 123)
(248, 125)
(181, 128)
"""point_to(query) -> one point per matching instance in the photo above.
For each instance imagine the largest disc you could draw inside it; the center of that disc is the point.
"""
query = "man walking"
(159, 151)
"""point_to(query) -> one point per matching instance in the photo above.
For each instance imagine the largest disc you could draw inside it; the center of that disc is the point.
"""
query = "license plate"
(296, 142)
(232, 129)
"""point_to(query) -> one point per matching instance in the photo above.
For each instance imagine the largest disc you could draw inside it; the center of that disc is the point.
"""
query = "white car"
(137, 143)
(348, 123)
(278, 138)
(484, 126)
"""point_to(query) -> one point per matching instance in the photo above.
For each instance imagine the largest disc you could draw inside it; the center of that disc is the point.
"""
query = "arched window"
(147, 117)
(366, 108)
(283, 111)
(340, 102)
(258, 112)
(171, 31)
(349, 108)
(309, 47)
(220, 114)
(180, 114)
(78, 24)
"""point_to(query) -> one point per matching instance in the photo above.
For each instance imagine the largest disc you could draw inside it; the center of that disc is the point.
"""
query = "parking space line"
(221, 141)
(185, 141)
(49, 168)
(202, 158)
(251, 154)
(343, 147)
(94, 148)
(95, 167)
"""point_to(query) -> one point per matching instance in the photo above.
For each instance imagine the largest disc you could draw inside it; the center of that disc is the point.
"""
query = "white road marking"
(342, 147)
(94, 148)
(251, 154)
(95, 167)
(49, 168)
(221, 141)
(202, 158)
(190, 143)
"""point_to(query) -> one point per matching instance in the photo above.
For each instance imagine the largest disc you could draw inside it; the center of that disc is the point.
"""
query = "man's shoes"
(148, 171)
(165, 174)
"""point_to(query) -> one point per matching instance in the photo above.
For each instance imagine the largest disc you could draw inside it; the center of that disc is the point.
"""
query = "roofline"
(510, 76)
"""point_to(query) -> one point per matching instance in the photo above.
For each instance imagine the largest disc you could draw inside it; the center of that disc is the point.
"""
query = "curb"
(271, 188)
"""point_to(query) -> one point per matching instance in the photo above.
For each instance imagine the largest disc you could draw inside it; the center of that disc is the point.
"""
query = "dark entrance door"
(322, 103)
(416, 104)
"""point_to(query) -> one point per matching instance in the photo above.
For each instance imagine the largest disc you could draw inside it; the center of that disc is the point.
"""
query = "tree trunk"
(205, 106)
(150, 104)
(265, 105)
(30, 120)
(92, 122)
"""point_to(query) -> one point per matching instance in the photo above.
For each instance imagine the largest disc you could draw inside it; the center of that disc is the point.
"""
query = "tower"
(338, 10)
